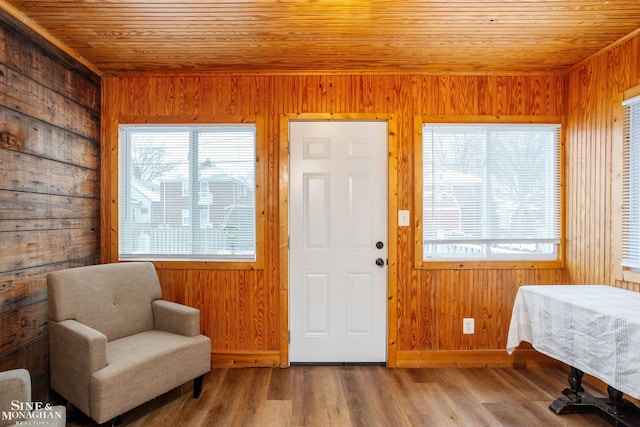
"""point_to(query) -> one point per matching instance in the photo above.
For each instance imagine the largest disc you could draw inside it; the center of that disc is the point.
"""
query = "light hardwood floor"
(365, 396)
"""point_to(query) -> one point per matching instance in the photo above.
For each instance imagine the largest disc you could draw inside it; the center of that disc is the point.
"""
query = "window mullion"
(194, 186)
(486, 205)
(127, 209)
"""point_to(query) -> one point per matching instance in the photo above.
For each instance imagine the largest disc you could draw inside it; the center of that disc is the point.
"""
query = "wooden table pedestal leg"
(614, 409)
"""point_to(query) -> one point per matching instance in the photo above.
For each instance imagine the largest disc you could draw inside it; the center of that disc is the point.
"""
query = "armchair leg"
(113, 422)
(197, 386)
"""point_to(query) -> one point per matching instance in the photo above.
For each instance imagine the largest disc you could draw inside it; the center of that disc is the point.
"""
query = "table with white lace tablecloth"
(595, 329)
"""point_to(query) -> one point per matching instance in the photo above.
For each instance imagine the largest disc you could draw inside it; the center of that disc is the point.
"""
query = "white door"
(337, 231)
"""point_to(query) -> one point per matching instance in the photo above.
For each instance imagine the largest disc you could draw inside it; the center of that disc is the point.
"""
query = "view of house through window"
(491, 192)
(187, 192)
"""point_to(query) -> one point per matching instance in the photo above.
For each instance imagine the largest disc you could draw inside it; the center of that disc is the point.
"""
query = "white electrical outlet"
(468, 325)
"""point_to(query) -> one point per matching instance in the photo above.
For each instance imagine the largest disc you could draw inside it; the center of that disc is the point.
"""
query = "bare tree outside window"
(149, 161)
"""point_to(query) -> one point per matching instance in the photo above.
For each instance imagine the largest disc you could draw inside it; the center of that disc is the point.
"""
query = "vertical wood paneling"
(49, 192)
(241, 310)
(435, 302)
(592, 192)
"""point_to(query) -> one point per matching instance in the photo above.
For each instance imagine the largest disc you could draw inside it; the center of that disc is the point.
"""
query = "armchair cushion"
(139, 365)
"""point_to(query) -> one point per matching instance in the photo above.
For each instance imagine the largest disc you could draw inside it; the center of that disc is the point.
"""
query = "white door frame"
(392, 228)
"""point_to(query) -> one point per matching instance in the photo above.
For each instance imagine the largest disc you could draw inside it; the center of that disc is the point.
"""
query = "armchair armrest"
(87, 345)
(177, 318)
(76, 351)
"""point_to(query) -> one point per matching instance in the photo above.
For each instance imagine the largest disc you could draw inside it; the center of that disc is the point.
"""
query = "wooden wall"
(49, 190)
(243, 310)
(49, 187)
(593, 155)
(49, 194)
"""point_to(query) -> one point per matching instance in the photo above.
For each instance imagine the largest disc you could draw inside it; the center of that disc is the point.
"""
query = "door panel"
(359, 214)
(360, 299)
(316, 303)
(317, 209)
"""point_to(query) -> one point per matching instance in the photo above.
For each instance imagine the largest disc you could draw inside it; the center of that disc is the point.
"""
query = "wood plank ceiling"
(303, 36)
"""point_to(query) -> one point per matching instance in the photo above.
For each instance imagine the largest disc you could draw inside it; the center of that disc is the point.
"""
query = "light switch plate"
(403, 218)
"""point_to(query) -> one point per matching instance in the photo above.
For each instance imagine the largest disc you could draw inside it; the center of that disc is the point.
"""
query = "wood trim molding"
(630, 93)
(473, 359)
(392, 242)
(244, 358)
(283, 240)
(617, 172)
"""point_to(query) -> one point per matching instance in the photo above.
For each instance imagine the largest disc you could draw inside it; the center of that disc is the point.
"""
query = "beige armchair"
(115, 344)
(16, 407)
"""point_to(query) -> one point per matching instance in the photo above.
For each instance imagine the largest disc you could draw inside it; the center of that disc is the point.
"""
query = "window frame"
(260, 194)
(462, 264)
(621, 272)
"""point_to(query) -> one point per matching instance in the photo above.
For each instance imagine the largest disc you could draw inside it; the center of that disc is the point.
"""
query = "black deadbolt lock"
(379, 245)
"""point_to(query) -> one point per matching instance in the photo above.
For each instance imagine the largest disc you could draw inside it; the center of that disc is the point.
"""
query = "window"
(491, 192)
(198, 186)
(631, 185)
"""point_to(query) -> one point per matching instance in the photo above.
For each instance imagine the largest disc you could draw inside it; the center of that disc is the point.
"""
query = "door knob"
(380, 262)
